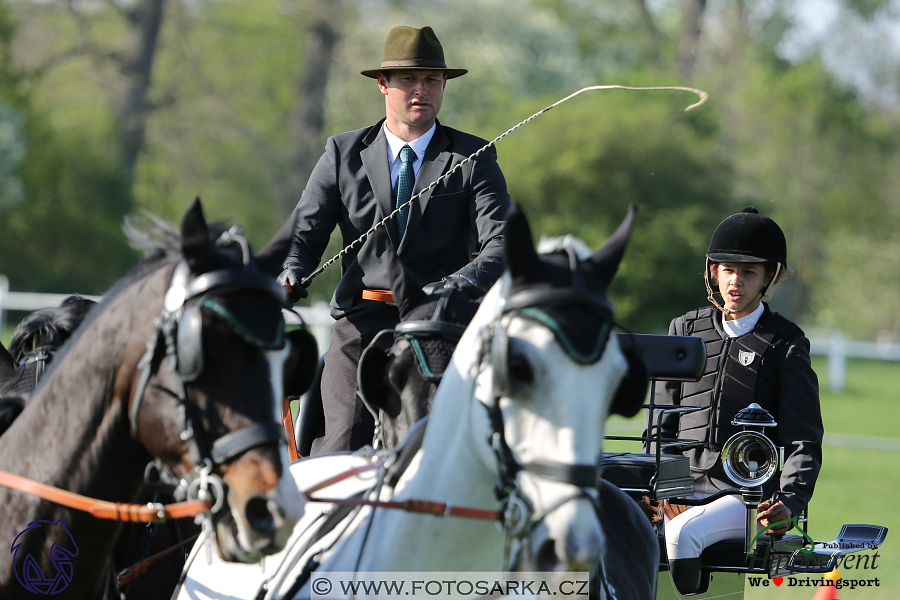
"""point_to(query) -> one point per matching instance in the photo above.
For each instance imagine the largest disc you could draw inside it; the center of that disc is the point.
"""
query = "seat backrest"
(668, 357)
(310, 414)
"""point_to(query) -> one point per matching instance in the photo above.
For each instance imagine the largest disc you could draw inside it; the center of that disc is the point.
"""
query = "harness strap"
(583, 476)
(412, 505)
(128, 574)
(101, 509)
(429, 507)
(232, 444)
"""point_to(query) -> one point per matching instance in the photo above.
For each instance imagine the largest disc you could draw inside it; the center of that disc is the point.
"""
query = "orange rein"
(429, 507)
(101, 509)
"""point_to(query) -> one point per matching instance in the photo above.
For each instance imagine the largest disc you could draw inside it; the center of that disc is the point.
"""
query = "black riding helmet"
(746, 237)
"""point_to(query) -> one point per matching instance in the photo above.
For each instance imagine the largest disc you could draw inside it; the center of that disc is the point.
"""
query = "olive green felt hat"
(410, 49)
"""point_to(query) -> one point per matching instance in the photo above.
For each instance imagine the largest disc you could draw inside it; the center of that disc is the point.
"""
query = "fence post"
(4, 290)
(837, 362)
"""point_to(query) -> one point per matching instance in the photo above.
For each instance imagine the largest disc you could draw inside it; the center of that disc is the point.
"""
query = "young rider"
(755, 355)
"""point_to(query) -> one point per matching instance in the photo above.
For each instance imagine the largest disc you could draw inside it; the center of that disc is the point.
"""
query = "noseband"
(178, 333)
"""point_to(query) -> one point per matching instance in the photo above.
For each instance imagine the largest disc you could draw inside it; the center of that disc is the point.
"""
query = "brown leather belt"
(379, 295)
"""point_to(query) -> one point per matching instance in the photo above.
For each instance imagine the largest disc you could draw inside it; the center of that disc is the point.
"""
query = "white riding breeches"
(701, 526)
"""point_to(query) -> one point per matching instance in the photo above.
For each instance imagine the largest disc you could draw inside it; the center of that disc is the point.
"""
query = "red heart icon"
(778, 580)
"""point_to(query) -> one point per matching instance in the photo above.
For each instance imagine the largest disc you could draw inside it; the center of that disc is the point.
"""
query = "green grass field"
(857, 484)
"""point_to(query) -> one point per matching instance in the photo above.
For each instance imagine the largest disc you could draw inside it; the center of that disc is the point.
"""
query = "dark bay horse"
(399, 384)
(184, 362)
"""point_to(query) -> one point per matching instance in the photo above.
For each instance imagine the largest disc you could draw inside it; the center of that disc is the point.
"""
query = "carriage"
(750, 457)
(750, 460)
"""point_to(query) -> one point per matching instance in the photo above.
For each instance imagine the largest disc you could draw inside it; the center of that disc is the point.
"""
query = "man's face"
(412, 100)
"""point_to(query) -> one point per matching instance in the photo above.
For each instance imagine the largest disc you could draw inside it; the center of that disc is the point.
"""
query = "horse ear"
(518, 246)
(606, 260)
(405, 287)
(195, 245)
(270, 258)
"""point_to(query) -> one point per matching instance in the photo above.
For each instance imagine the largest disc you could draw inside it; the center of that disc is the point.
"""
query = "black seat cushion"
(629, 471)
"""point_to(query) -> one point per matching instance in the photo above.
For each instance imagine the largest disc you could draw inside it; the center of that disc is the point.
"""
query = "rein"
(429, 507)
(306, 280)
(102, 509)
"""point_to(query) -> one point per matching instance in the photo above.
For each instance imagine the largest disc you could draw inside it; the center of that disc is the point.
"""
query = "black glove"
(290, 278)
(465, 285)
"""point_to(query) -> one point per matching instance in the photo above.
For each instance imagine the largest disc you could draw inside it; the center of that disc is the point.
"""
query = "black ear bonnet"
(581, 321)
(235, 303)
(432, 330)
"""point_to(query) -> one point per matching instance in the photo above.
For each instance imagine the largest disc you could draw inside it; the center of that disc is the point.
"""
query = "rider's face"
(412, 100)
(741, 285)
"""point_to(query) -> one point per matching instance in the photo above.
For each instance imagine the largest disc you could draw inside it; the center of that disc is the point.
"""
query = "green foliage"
(576, 169)
(61, 200)
(65, 235)
(784, 137)
(811, 155)
(226, 72)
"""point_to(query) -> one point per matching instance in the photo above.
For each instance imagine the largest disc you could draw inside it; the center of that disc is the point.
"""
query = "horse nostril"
(264, 514)
(545, 558)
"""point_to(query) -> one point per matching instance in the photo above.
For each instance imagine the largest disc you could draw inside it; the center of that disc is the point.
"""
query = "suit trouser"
(348, 423)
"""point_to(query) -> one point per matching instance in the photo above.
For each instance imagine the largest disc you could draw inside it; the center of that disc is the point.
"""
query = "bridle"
(518, 519)
(178, 333)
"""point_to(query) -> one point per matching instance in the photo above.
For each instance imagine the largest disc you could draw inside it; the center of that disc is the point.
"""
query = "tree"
(579, 168)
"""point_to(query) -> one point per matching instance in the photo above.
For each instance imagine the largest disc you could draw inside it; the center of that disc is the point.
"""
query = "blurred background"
(110, 107)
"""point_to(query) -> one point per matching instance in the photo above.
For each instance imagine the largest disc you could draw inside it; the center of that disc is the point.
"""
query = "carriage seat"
(635, 474)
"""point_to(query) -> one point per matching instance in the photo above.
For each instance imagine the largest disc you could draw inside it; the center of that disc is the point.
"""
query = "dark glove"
(465, 285)
(290, 278)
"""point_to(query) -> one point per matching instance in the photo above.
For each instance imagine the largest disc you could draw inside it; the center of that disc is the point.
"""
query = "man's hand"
(772, 513)
(290, 278)
(465, 285)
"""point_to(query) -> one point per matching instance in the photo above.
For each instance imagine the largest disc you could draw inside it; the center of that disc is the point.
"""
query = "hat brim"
(725, 257)
(450, 73)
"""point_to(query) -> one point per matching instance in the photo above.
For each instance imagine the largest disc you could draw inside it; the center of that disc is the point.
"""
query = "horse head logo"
(29, 572)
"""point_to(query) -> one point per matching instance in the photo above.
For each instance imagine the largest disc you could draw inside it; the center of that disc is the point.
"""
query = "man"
(356, 183)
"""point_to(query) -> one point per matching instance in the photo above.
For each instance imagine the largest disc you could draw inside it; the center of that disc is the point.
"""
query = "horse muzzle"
(261, 515)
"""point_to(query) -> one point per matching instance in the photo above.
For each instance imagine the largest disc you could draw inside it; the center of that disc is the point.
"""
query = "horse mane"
(548, 245)
(49, 326)
(160, 241)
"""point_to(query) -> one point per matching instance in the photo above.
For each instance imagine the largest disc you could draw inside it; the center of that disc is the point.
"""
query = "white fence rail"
(317, 317)
(831, 344)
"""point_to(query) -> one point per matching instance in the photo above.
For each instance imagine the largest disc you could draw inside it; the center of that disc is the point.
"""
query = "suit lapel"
(374, 158)
(433, 166)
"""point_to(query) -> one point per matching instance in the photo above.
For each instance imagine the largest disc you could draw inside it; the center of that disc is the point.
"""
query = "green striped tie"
(405, 185)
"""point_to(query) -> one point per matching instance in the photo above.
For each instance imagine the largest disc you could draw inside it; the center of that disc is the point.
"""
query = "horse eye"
(520, 369)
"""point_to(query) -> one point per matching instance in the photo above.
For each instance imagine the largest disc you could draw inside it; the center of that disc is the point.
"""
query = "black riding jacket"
(770, 365)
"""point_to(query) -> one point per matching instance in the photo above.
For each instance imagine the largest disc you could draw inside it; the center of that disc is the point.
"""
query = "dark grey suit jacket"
(350, 187)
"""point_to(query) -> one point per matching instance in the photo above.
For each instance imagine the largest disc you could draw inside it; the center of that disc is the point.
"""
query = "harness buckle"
(516, 516)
